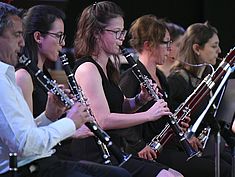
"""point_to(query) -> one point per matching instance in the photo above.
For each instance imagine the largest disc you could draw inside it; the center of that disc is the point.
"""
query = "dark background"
(220, 13)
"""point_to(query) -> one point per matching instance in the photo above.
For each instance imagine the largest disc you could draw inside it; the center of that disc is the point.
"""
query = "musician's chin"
(212, 62)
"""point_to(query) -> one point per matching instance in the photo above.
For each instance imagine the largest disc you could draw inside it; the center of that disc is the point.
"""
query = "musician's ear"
(196, 49)
(37, 37)
(147, 45)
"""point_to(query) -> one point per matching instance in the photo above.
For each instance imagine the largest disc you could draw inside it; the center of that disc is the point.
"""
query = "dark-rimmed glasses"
(168, 43)
(60, 36)
(119, 34)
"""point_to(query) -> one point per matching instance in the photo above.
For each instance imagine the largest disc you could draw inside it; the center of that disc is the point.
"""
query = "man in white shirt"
(33, 139)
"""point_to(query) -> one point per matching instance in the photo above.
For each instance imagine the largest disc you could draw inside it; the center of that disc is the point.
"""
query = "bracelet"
(137, 100)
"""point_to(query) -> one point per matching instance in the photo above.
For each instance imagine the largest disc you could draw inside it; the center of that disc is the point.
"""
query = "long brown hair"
(198, 33)
(92, 21)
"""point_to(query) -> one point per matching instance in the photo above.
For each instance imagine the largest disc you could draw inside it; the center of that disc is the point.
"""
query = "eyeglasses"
(168, 43)
(60, 36)
(119, 34)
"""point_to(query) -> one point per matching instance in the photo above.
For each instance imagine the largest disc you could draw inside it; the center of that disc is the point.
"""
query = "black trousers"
(53, 167)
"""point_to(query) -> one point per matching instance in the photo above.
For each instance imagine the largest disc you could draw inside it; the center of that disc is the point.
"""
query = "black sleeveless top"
(130, 86)
(39, 94)
(112, 92)
(114, 98)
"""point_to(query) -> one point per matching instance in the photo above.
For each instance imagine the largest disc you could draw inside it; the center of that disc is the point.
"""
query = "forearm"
(43, 139)
(118, 120)
(42, 120)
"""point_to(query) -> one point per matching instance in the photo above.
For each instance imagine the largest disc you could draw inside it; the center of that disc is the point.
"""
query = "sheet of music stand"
(226, 107)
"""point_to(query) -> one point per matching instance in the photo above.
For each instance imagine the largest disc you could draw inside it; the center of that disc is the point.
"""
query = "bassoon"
(219, 76)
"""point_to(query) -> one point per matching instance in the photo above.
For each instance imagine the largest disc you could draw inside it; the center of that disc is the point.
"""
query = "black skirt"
(88, 149)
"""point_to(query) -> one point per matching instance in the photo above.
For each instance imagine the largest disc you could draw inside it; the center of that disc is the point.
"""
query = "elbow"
(103, 125)
(103, 120)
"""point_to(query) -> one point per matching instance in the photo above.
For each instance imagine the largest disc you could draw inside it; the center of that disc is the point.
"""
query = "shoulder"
(5, 82)
(179, 74)
(83, 61)
(23, 78)
(86, 68)
(22, 75)
(87, 71)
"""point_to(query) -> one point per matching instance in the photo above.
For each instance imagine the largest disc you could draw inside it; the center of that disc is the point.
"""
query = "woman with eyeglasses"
(150, 39)
(176, 33)
(100, 33)
(44, 38)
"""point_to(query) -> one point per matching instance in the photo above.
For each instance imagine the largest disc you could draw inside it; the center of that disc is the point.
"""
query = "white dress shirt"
(30, 138)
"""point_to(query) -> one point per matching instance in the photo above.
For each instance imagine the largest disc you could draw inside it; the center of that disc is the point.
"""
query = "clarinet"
(53, 87)
(172, 127)
(78, 93)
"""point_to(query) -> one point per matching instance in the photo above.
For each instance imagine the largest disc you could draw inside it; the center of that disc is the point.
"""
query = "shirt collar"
(7, 69)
